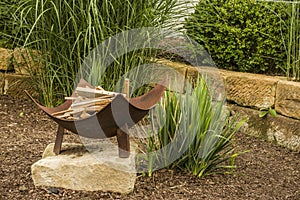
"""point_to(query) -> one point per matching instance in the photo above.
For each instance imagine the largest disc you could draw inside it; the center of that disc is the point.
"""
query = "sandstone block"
(97, 169)
(213, 78)
(26, 61)
(251, 90)
(5, 59)
(181, 68)
(282, 130)
(175, 72)
(16, 84)
(288, 99)
(212, 75)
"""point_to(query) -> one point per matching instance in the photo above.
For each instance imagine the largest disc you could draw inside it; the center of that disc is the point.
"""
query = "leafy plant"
(196, 134)
(265, 111)
(241, 35)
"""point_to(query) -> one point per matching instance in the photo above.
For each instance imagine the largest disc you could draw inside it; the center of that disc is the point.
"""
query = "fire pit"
(114, 112)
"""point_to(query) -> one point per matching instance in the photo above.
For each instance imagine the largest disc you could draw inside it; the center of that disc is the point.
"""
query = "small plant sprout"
(265, 111)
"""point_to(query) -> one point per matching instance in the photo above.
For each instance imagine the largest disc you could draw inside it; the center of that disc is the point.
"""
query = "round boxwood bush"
(241, 35)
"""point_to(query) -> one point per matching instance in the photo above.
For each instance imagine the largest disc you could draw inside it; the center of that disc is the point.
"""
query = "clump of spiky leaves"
(196, 135)
(66, 31)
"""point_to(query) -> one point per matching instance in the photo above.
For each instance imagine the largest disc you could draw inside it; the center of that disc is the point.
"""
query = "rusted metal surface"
(113, 120)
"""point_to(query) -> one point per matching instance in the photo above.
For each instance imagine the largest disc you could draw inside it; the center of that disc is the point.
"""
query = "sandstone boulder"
(96, 167)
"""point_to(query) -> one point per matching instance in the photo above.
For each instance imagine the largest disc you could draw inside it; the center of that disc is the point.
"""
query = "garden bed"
(267, 171)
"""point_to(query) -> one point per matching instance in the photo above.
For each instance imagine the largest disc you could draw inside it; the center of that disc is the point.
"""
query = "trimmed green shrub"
(241, 35)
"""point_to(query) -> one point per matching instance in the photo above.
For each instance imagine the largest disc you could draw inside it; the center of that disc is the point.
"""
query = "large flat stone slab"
(97, 169)
(288, 99)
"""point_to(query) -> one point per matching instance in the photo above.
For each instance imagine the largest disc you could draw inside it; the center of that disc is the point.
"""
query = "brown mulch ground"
(266, 172)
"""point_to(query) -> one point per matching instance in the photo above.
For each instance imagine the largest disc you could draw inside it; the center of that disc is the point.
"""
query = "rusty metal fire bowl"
(114, 119)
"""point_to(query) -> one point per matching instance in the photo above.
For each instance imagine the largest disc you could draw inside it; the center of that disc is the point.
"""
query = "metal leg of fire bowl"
(58, 140)
(123, 142)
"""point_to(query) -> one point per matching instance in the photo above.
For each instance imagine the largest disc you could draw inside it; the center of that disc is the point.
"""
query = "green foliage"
(241, 35)
(196, 136)
(66, 31)
(292, 41)
(7, 29)
(265, 111)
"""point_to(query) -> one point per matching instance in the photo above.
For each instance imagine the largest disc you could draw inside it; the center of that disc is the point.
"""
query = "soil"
(267, 171)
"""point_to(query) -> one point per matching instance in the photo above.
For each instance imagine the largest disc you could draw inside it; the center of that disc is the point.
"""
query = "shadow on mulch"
(266, 172)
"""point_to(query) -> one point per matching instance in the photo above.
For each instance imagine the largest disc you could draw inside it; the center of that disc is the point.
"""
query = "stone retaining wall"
(259, 91)
(247, 93)
(252, 92)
